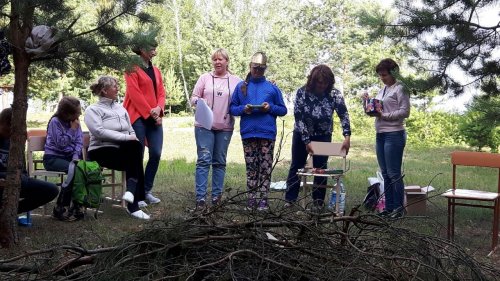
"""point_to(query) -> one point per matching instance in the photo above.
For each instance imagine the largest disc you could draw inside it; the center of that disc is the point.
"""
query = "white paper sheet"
(281, 185)
(204, 115)
(428, 189)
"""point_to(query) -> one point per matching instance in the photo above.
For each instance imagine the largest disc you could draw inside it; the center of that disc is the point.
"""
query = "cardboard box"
(413, 188)
(416, 199)
(416, 203)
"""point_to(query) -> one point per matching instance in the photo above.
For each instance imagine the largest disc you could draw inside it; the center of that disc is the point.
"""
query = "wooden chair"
(457, 197)
(111, 176)
(36, 144)
(324, 149)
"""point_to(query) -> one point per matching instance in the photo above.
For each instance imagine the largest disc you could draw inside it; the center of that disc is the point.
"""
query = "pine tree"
(87, 36)
(450, 34)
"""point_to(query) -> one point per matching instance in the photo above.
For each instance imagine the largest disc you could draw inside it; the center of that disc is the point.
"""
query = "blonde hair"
(221, 53)
(102, 84)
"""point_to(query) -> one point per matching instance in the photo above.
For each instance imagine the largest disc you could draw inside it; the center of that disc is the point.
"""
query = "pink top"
(217, 92)
(396, 107)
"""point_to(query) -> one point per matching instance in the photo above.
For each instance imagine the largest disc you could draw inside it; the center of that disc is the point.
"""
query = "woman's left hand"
(265, 107)
(346, 144)
(155, 112)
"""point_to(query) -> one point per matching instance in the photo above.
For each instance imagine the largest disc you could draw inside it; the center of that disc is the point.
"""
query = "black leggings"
(127, 157)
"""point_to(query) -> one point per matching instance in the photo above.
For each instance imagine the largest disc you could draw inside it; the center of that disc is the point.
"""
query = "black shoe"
(78, 211)
(318, 207)
(384, 214)
(216, 200)
(397, 214)
(63, 214)
(200, 205)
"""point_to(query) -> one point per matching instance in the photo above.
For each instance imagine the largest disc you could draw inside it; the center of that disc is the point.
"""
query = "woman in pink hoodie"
(215, 88)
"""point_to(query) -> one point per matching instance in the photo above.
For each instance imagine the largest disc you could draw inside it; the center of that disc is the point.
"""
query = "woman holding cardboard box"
(314, 105)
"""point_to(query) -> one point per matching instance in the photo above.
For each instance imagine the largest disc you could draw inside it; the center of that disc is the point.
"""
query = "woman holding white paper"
(215, 89)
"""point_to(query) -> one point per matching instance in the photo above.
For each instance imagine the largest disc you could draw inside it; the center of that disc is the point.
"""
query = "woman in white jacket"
(113, 143)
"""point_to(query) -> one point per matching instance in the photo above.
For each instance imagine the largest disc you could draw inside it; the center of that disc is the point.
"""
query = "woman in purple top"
(64, 144)
(64, 136)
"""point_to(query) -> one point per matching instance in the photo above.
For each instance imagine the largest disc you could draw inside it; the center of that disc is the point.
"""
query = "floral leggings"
(259, 163)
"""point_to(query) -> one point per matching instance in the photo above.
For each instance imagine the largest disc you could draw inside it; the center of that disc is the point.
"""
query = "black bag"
(372, 196)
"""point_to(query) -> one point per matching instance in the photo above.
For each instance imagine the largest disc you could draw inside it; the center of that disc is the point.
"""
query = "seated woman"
(34, 193)
(64, 136)
(63, 145)
(113, 143)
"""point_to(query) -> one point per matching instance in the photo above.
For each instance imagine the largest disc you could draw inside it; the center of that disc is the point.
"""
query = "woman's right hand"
(132, 137)
(309, 149)
(365, 96)
(75, 124)
(248, 109)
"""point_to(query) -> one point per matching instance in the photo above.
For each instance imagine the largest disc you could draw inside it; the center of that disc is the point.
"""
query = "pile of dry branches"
(229, 243)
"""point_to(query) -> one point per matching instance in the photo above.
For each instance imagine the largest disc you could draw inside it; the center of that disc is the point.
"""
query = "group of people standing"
(119, 134)
(258, 102)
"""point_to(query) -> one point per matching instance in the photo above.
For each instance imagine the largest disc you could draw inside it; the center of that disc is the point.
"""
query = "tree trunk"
(175, 9)
(19, 28)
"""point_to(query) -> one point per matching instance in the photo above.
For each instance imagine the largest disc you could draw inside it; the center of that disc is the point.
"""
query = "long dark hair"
(6, 117)
(67, 107)
(322, 72)
(245, 84)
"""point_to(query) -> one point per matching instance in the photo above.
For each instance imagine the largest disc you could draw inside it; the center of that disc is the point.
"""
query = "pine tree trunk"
(20, 27)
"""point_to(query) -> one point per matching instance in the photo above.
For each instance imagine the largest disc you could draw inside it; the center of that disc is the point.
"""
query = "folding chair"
(324, 149)
(110, 175)
(456, 197)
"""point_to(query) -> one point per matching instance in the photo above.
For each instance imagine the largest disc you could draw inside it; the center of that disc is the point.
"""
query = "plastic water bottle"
(333, 198)
(25, 220)
(342, 199)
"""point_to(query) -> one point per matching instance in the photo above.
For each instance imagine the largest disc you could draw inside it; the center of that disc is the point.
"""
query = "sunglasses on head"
(259, 67)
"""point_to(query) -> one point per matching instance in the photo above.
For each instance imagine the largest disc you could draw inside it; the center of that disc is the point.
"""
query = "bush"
(424, 128)
(478, 133)
(433, 128)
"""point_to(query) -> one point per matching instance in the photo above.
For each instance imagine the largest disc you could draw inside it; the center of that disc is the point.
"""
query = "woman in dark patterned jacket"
(313, 110)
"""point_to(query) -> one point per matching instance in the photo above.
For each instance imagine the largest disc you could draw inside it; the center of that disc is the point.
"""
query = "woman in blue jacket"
(258, 102)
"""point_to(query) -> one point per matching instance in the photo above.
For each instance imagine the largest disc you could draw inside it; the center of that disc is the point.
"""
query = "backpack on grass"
(87, 184)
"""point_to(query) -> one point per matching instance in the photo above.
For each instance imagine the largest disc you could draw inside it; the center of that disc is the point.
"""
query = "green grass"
(175, 185)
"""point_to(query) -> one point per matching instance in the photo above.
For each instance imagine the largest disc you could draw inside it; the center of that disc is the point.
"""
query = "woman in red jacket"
(145, 101)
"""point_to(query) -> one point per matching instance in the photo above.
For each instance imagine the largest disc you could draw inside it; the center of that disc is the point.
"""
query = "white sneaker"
(140, 215)
(142, 204)
(128, 196)
(151, 199)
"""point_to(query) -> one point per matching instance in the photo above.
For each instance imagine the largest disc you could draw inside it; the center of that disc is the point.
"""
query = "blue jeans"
(212, 148)
(147, 129)
(56, 163)
(299, 157)
(390, 147)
